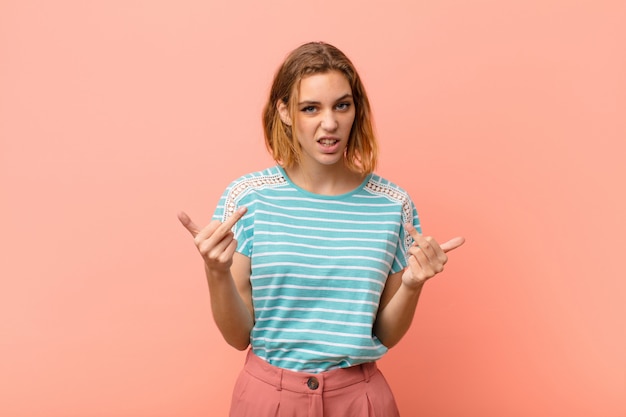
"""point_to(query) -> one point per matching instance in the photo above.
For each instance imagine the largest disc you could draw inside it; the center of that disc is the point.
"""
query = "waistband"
(308, 383)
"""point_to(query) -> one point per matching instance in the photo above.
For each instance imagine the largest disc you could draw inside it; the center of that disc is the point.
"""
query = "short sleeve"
(408, 215)
(228, 203)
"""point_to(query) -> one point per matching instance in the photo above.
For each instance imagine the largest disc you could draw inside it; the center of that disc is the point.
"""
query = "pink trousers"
(263, 390)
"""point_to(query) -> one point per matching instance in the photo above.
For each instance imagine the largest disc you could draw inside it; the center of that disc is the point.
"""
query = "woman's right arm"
(231, 301)
(228, 276)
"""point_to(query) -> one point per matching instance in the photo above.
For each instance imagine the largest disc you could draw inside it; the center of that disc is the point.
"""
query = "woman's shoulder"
(382, 186)
(267, 178)
(270, 174)
(392, 192)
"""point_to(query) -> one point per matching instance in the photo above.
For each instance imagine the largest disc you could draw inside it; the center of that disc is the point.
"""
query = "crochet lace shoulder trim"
(245, 185)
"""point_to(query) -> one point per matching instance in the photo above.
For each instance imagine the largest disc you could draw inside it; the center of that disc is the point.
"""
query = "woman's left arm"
(402, 289)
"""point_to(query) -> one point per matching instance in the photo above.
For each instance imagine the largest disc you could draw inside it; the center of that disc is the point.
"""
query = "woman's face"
(324, 116)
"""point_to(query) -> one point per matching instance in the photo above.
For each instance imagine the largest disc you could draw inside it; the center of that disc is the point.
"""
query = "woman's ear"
(283, 111)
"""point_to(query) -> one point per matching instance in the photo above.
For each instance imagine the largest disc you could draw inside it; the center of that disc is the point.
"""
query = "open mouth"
(327, 142)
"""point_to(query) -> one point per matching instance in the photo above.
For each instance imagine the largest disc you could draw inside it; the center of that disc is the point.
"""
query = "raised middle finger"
(215, 233)
(428, 246)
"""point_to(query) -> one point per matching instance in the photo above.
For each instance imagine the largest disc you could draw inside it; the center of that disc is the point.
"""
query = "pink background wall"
(504, 119)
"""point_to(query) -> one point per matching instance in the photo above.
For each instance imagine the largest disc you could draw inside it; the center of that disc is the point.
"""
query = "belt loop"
(279, 385)
(365, 367)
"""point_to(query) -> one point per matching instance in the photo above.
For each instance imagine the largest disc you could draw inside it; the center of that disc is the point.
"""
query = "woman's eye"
(343, 106)
(308, 109)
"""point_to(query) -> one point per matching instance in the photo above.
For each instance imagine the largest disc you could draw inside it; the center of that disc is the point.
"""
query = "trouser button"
(313, 383)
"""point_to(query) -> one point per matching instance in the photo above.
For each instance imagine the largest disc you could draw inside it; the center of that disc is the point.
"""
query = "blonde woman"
(316, 263)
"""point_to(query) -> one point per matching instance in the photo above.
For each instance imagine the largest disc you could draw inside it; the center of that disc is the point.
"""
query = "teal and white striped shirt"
(319, 265)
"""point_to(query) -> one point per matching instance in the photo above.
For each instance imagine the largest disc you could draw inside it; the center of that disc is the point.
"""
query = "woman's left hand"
(427, 257)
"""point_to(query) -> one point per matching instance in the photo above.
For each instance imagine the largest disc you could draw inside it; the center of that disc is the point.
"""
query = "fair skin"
(324, 118)
(402, 289)
(228, 276)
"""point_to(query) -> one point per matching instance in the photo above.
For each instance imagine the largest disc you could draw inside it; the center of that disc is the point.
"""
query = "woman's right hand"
(228, 276)
(215, 242)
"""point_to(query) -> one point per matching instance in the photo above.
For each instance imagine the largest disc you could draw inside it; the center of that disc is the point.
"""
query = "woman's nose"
(329, 121)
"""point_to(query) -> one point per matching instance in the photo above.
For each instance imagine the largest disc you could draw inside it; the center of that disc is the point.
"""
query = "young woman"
(316, 263)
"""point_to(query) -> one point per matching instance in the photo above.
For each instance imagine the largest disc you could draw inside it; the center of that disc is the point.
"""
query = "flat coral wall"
(504, 120)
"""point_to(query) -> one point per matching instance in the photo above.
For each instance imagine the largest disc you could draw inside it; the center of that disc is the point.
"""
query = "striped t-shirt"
(319, 265)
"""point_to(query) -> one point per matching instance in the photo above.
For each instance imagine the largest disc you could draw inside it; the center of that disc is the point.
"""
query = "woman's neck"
(326, 180)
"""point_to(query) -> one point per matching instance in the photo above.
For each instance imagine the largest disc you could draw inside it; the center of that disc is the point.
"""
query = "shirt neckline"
(323, 196)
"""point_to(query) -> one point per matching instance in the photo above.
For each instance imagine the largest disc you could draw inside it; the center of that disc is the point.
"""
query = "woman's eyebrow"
(310, 102)
(345, 96)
